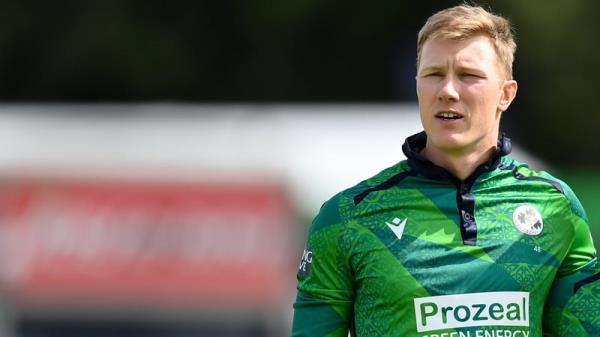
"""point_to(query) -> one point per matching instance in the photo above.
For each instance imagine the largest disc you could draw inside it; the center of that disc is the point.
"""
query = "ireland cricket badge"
(528, 220)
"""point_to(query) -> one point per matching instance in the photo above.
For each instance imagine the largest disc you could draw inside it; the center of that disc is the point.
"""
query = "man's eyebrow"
(432, 69)
(472, 69)
(460, 68)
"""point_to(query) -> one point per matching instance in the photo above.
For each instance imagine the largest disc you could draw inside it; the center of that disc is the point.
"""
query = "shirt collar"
(416, 143)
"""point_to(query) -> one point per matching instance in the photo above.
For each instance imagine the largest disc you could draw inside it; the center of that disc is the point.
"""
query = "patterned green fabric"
(358, 274)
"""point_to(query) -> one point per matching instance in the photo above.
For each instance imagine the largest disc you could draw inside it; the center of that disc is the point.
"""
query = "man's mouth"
(448, 115)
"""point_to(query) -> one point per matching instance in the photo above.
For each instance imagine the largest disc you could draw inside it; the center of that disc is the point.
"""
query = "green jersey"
(413, 251)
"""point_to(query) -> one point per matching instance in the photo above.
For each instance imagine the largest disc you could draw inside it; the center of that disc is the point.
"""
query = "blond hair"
(466, 21)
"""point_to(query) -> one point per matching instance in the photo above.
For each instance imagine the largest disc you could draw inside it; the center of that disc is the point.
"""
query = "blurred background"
(160, 161)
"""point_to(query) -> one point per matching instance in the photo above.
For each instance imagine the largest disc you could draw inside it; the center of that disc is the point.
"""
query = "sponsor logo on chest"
(502, 308)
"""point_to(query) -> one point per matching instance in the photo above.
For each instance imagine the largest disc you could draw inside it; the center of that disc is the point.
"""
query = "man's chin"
(453, 146)
(449, 143)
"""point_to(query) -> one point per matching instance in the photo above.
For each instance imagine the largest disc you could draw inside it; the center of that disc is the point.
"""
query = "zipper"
(465, 202)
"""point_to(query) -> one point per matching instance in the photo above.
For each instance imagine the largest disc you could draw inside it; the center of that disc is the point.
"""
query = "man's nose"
(448, 90)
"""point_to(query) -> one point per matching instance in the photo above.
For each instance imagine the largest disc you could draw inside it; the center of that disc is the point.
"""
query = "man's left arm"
(573, 304)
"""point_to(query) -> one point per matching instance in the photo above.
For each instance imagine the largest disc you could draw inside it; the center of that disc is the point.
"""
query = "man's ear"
(509, 91)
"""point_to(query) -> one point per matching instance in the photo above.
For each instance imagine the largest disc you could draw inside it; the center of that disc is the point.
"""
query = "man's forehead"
(474, 51)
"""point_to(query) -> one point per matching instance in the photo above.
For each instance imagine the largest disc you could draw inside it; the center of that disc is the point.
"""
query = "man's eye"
(471, 75)
(434, 75)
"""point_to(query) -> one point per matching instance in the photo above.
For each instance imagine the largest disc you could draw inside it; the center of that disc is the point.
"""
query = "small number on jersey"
(537, 249)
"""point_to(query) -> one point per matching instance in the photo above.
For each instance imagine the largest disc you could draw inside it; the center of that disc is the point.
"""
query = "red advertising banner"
(70, 240)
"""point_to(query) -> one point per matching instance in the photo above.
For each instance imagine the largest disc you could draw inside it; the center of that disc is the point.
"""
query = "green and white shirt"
(413, 251)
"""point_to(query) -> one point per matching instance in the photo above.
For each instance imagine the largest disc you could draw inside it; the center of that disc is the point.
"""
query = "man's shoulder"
(340, 207)
(522, 171)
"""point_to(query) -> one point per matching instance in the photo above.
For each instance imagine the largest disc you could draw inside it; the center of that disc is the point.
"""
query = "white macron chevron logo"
(397, 226)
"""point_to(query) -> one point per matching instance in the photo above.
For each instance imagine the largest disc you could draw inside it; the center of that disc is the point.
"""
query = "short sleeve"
(573, 304)
(323, 305)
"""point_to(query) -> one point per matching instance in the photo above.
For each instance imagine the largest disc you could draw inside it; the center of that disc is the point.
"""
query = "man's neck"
(460, 164)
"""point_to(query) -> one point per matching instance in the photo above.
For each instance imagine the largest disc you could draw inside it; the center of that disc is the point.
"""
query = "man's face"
(462, 93)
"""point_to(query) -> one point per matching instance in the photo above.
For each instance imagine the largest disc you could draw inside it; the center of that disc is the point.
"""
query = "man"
(459, 239)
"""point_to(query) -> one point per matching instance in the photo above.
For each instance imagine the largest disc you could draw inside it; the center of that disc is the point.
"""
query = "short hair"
(466, 21)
